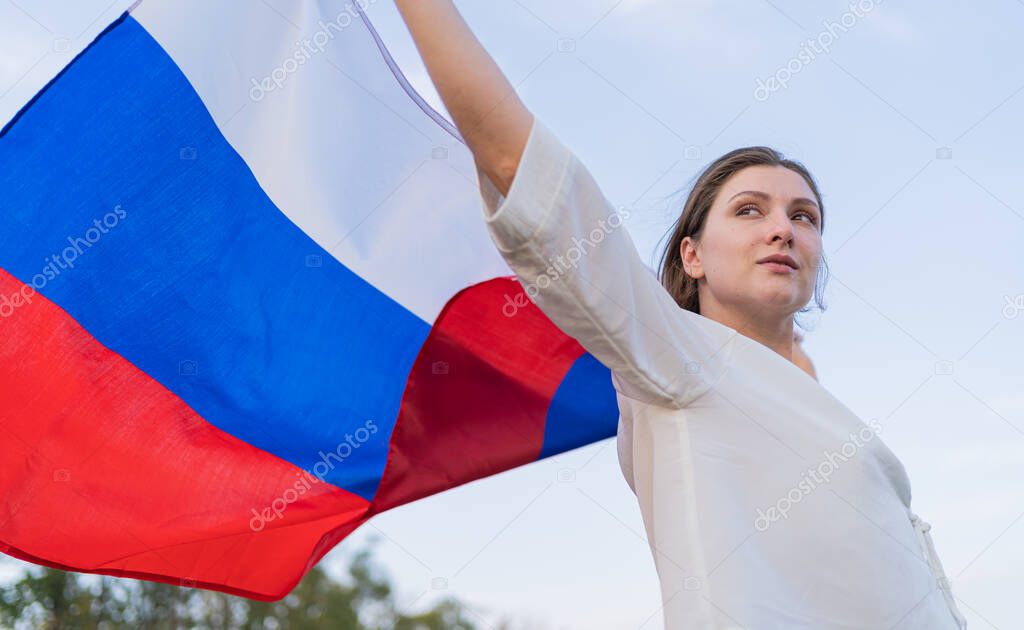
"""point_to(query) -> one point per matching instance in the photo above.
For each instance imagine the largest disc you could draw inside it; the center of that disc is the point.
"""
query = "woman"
(767, 503)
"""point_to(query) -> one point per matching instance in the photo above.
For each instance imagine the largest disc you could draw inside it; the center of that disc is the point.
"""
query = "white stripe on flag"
(304, 95)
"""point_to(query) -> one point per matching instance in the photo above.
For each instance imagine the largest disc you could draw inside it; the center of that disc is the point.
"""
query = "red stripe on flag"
(478, 394)
(106, 471)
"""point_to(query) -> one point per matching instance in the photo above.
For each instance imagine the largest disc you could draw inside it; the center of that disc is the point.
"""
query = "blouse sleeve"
(571, 252)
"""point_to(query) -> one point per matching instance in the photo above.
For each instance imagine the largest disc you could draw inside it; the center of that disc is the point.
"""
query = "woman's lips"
(777, 267)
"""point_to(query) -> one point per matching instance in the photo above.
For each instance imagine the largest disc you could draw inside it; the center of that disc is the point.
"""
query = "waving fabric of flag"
(248, 300)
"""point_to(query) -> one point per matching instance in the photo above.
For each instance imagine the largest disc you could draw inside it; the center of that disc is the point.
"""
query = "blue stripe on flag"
(585, 395)
(201, 281)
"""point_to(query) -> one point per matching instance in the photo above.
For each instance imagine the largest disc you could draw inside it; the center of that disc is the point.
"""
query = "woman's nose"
(781, 227)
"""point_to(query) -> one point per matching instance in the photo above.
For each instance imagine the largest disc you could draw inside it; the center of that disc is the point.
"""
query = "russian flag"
(248, 300)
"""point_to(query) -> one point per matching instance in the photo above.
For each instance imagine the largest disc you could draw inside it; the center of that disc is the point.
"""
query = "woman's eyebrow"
(763, 195)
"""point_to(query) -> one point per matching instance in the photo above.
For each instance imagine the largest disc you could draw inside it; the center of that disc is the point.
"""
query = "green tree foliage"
(55, 600)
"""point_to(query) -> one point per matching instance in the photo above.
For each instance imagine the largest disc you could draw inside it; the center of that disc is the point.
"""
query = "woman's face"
(760, 211)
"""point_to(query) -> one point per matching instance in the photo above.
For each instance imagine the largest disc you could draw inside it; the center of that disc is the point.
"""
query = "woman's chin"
(787, 299)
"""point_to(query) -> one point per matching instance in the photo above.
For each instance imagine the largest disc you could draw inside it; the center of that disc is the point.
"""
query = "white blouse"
(767, 503)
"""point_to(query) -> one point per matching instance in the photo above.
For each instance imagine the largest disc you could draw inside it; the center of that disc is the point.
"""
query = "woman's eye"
(810, 217)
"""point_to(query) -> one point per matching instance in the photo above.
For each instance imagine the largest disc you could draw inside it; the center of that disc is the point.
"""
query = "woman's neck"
(774, 332)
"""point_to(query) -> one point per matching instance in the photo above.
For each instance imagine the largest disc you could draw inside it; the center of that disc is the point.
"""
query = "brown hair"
(708, 183)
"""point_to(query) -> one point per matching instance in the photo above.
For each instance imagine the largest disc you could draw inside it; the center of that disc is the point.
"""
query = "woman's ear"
(691, 258)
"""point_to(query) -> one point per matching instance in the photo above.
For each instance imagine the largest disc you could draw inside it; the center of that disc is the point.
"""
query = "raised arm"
(483, 104)
(559, 233)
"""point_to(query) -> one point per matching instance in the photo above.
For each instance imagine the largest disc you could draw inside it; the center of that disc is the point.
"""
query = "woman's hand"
(483, 104)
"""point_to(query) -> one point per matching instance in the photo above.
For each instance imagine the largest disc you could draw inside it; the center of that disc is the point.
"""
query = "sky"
(909, 114)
